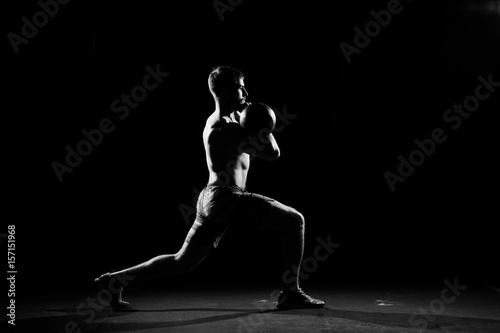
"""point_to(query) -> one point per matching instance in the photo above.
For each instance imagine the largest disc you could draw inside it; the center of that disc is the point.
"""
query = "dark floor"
(243, 309)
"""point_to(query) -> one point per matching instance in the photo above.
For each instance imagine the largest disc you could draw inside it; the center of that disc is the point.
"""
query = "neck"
(222, 108)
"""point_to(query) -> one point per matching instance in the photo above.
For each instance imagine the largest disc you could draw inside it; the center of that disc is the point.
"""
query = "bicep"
(264, 147)
(235, 138)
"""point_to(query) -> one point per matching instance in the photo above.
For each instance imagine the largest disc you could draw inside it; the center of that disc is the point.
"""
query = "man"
(224, 203)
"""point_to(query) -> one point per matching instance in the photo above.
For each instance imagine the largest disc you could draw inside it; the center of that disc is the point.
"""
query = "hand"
(242, 106)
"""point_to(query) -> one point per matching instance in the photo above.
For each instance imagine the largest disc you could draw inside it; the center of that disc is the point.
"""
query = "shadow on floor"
(149, 319)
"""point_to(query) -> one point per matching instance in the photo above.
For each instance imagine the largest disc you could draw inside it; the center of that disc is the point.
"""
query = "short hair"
(223, 76)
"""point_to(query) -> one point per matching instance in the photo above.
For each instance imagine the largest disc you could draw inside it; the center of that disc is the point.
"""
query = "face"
(236, 95)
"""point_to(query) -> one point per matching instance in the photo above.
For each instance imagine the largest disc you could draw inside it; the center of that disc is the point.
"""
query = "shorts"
(221, 207)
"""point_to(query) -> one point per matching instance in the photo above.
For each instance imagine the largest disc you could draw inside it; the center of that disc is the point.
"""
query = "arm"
(261, 146)
(265, 147)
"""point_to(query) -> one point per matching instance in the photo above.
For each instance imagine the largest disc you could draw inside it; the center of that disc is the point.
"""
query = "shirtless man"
(224, 203)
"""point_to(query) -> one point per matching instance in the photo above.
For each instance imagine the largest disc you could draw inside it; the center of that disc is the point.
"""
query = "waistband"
(230, 187)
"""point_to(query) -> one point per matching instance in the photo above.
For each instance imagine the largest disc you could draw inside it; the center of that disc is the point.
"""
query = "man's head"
(226, 84)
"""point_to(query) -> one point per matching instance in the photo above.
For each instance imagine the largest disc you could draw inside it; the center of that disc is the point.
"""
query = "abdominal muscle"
(232, 172)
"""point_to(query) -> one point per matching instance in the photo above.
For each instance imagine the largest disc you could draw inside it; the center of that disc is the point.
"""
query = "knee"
(298, 219)
(184, 265)
(302, 220)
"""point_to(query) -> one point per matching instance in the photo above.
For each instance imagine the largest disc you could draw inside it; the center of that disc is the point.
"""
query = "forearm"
(262, 147)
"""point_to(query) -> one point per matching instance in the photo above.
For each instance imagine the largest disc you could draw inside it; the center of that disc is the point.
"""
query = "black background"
(120, 205)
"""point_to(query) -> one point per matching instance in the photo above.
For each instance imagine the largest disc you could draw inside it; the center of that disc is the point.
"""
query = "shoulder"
(224, 130)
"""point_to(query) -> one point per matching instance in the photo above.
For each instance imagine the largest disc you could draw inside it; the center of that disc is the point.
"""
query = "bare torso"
(227, 164)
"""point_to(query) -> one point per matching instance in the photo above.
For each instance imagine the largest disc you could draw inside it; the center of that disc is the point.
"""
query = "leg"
(193, 251)
(188, 257)
(290, 225)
